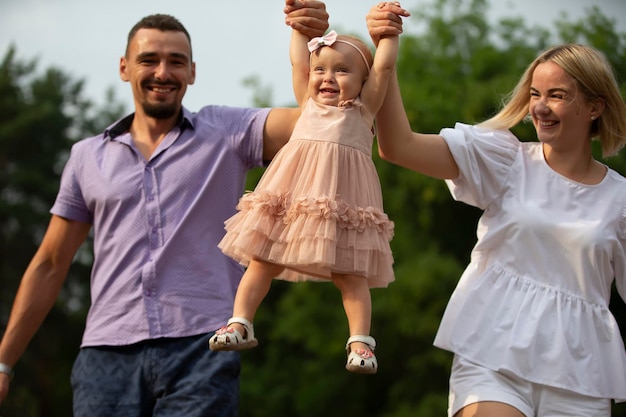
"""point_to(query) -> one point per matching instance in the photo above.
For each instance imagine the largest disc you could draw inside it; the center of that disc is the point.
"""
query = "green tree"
(41, 115)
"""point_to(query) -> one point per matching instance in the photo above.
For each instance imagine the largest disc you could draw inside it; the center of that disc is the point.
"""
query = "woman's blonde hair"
(594, 77)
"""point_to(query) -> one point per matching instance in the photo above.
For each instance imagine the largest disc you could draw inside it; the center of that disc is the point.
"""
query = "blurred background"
(231, 41)
(458, 59)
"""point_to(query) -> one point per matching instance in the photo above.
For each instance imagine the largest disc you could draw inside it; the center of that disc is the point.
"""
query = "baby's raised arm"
(375, 87)
(397, 143)
(300, 59)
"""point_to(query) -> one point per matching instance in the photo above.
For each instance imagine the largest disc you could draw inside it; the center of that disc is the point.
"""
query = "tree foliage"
(457, 66)
(41, 115)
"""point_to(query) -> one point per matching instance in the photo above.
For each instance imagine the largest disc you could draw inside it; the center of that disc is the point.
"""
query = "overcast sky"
(231, 40)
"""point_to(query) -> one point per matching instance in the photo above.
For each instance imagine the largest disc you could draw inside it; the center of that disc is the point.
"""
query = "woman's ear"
(597, 107)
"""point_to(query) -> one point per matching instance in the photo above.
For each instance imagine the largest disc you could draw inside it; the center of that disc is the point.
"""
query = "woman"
(529, 323)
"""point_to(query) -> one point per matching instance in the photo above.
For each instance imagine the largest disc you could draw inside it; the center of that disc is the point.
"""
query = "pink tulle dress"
(318, 207)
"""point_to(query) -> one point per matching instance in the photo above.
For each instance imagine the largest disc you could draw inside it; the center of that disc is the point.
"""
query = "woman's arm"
(397, 143)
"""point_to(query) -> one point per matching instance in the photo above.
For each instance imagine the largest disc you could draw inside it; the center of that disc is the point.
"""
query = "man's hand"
(385, 19)
(308, 17)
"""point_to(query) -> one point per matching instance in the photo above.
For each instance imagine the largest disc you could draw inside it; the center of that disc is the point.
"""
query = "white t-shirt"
(534, 298)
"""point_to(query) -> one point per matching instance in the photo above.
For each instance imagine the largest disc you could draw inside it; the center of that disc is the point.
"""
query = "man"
(156, 187)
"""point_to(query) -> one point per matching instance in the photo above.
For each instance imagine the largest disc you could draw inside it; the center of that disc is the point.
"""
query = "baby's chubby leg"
(238, 334)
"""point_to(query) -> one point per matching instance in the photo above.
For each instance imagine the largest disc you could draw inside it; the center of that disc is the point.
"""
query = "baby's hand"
(388, 4)
(385, 19)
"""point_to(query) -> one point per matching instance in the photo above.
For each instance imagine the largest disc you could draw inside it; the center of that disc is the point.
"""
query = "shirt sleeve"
(242, 128)
(620, 261)
(484, 158)
(69, 202)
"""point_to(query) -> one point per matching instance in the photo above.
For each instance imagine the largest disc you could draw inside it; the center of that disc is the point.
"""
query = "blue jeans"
(157, 378)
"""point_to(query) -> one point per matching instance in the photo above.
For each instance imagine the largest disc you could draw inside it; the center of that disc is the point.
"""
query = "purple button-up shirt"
(157, 271)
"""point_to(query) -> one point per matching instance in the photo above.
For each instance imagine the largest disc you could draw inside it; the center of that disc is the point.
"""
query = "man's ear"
(123, 68)
(192, 79)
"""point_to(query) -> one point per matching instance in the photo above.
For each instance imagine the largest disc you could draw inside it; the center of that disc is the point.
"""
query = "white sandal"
(362, 361)
(228, 338)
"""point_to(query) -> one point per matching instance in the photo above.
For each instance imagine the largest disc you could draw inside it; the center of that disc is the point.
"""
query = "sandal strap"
(245, 323)
(368, 340)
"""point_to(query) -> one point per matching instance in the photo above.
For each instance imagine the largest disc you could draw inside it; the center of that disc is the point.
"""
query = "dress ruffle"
(311, 237)
(505, 321)
(318, 208)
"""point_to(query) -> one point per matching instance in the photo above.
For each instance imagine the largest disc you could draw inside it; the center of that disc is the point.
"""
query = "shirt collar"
(123, 125)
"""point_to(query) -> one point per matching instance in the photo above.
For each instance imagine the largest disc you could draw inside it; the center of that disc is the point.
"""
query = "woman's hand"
(385, 19)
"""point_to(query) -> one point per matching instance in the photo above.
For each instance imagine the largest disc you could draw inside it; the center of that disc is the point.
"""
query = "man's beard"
(160, 110)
